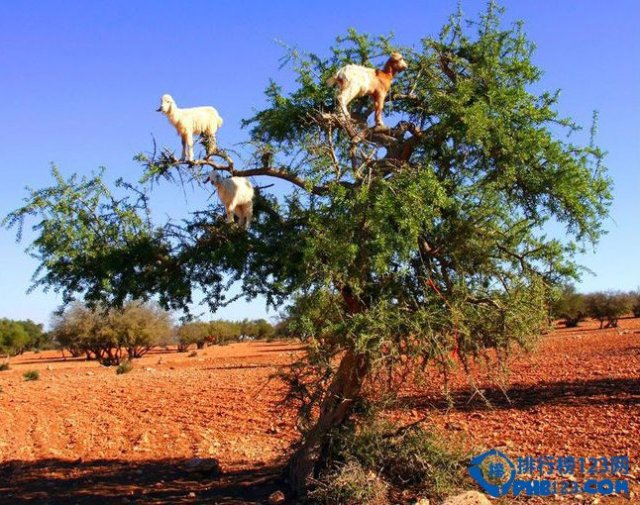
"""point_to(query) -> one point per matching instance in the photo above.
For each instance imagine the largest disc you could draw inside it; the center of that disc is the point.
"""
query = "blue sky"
(80, 81)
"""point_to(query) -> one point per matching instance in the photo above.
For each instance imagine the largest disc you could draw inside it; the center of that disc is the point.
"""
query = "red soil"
(82, 434)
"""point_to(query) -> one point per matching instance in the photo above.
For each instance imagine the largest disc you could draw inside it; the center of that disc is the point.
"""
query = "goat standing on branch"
(203, 121)
(353, 81)
(236, 194)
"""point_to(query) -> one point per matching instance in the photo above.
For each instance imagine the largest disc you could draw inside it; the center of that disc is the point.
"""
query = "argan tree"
(106, 335)
(412, 242)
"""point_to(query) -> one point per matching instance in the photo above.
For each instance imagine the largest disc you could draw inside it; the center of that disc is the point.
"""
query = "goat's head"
(396, 63)
(214, 178)
(166, 104)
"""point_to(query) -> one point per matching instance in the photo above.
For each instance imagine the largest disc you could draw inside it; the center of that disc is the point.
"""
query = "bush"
(410, 458)
(608, 306)
(31, 375)
(350, 484)
(124, 367)
(110, 335)
(569, 306)
(634, 300)
(4, 366)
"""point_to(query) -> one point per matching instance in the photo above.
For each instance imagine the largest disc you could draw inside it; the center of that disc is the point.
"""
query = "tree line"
(605, 306)
(112, 335)
(17, 337)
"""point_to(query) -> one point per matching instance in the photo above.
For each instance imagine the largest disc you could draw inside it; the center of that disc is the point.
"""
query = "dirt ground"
(82, 434)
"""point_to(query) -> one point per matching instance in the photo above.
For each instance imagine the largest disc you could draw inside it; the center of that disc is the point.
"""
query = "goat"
(203, 121)
(236, 194)
(353, 81)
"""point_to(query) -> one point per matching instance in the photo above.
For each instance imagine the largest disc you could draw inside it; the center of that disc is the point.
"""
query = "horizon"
(84, 81)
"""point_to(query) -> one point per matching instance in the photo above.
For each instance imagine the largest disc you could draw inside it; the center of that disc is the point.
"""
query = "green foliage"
(13, 337)
(569, 306)
(4, 366)
(18, 336)
(222, 332)
(192, 333)
(608, 306)
(349, 484)
(31, 375)
(124, 367)
(404, 243)
(107, 335)
(634, 301)
(409, 458)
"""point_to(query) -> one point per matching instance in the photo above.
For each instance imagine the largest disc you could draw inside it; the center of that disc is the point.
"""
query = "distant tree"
(19, 336)
(37, 336)
(106, 335)
(398, 244)
(607, 306)
(221, 331)
(569, 306)
(262, 329)
(192, 333)
(634, 298)
(138, 327)
(14, 338)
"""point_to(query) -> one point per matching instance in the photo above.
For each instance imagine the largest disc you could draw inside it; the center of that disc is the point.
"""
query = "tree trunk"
(334, 411)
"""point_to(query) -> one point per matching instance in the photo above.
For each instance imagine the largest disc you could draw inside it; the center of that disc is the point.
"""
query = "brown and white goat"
(353, 81)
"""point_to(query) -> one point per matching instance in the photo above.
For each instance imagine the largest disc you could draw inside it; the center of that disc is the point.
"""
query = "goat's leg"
(378, 99)
(344, 98)
(209, 141)
(247, 215)
(185, 143)
(230, 213)
(190, 145)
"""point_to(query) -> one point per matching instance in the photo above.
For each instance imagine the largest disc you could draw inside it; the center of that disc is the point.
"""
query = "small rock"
(276, 498)
(191, 495)
(209, 467)
(423, 501)
(468, 498)
(49, 367)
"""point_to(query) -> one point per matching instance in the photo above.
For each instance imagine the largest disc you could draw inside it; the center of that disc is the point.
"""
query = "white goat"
(236, 194)
(203, 121)
(352, 81)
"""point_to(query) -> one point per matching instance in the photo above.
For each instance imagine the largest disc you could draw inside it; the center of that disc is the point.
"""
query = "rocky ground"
(82, 434)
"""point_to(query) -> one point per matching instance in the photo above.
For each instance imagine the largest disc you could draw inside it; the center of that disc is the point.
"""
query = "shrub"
(349, 484)
(110, 335)
(4, 366)
(607, 306)
(31, 375)
(407, 458)
(124, 367)
(570, 307)
(14, 338)
(634, 300)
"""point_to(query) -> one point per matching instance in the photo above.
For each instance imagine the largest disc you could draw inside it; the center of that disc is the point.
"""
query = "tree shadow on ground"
(56, 481)
(592, 392)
